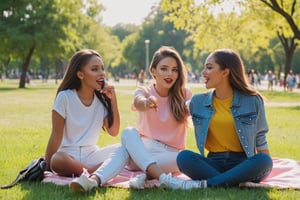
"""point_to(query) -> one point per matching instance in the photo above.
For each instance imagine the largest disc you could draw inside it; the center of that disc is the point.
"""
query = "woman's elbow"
(114, 132)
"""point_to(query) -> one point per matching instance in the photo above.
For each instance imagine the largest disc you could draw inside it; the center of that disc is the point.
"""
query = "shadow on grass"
(37, 191)
(208, 193)
(8, 89)
(295, 108)
(291, 108)
(24, 89)
(34, 191)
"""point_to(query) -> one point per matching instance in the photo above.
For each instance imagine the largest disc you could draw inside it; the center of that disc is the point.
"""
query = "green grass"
(25, 126)
(282, 96)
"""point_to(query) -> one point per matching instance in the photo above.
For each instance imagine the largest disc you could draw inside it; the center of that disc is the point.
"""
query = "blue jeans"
(225, 168)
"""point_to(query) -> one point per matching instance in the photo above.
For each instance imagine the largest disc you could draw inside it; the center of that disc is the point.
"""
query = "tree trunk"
(25, 66)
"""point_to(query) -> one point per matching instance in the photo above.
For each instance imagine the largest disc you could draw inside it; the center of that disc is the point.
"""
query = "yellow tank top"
(221, 132)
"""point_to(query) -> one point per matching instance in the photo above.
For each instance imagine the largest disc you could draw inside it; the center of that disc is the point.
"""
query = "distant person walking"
(270, 78)
(142, 77)
(291, 81)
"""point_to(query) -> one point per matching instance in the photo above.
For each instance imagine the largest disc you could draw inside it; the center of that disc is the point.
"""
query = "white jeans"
(89, 155)
(137, 153)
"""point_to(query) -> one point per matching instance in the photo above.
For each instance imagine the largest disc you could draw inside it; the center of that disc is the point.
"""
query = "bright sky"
(134, 11)
(126, 11)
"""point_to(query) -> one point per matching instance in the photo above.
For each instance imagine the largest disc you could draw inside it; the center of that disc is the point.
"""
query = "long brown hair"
(71, 81)
(227, 58)
(177, 91)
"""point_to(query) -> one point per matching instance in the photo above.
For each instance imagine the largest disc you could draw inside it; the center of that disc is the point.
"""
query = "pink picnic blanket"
(285, 174)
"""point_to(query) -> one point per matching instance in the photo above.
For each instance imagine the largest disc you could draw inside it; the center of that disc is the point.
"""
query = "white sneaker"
(83, 184)
(167, 180)
(138, 181)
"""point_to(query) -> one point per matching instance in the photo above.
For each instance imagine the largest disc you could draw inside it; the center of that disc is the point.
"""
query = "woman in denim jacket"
(230, 123)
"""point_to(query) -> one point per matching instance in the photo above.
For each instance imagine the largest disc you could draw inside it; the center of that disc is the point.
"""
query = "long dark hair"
(71, 81)
(227, 58)
(177, 91)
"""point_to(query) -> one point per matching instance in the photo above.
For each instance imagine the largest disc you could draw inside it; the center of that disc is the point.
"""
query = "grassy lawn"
(25, 125)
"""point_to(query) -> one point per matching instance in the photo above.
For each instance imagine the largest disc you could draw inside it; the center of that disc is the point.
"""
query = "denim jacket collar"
(235, 103)
(209, 100)
(237, 97)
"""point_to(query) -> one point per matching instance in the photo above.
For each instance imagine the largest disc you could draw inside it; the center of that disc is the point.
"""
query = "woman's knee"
(265, 159)
(264, 163)
(57, 160)
(127, 134)
(183, 158)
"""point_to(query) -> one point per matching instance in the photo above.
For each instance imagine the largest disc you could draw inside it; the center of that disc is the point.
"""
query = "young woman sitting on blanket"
(84, 105)
(160, 133)
(230, 122)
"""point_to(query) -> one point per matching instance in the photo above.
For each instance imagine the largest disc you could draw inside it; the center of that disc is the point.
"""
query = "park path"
(263, 86)
(282, 104)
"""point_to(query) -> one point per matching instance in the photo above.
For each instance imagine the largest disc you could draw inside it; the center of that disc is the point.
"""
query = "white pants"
(89, 155)
(138, 153)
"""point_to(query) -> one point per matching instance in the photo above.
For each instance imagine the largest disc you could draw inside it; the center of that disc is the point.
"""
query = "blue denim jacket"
(249, 120)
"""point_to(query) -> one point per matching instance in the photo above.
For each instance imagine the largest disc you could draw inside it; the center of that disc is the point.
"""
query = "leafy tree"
(159, 32)
(28, 25)
(46, 28)
(289, 10)
(212, 28)
(123, 30)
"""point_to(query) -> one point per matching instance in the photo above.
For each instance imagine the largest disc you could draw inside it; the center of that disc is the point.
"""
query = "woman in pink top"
(160, 132)
(162, 123)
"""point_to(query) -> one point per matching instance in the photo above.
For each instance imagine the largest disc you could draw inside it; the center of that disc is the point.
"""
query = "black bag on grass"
(32, 172)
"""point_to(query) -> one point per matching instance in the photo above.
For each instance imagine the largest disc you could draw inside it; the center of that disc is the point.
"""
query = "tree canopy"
(41, 35)
(248, 26)
(50, 28)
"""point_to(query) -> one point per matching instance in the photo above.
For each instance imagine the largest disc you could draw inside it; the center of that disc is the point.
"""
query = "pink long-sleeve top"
(161, 125)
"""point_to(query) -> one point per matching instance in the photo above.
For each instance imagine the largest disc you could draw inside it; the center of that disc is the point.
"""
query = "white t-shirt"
(82, 123)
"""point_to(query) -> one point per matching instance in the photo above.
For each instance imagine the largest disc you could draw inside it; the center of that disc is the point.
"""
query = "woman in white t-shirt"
(84, 105)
